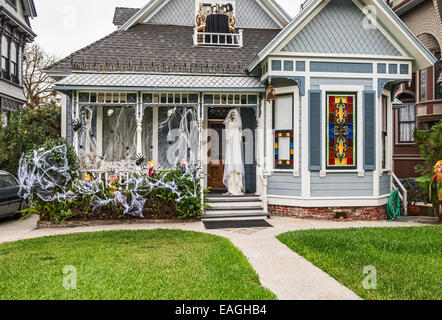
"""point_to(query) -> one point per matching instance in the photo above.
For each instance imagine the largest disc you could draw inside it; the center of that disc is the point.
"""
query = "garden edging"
(90, 223)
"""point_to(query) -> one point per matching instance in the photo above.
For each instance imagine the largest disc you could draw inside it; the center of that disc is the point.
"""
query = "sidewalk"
(285, 273)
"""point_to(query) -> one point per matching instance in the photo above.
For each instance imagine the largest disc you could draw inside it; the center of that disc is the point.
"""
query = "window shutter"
(369, 105)
(315, 132)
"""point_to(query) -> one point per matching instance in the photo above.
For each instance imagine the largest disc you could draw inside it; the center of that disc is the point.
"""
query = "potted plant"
(415, 194)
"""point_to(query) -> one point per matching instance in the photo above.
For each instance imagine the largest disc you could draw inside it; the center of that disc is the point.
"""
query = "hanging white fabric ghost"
(234, 166)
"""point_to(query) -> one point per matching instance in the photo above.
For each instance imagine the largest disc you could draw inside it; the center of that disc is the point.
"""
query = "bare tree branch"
(37, 84)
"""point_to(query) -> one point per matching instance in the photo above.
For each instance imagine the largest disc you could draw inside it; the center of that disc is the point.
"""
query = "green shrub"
(56, 158)
(27, 129)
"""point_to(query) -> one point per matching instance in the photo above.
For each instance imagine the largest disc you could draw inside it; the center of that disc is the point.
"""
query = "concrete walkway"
(285, 273)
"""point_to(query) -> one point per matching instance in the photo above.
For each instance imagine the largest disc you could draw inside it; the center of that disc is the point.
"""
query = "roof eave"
(285, 32)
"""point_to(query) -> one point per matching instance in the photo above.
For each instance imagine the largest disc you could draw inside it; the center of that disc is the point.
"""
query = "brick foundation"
(353, 213)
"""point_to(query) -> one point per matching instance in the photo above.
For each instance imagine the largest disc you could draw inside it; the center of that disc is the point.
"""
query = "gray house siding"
(284, 184)
(316, 82)
(329, 32)
(249, 14)
(341, 185)
(385, 184)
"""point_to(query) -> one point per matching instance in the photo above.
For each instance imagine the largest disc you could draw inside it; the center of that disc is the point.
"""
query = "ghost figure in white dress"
(234, 166)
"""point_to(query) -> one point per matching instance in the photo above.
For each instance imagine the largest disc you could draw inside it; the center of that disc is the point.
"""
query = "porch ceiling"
(157, 82)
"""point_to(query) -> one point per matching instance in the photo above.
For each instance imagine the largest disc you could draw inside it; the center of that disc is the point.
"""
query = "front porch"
(125, 132)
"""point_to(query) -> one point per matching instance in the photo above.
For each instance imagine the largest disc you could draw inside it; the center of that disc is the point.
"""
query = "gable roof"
(163, 48)
(153, 7)
(385, 18)
(321, 35)
(122, 15)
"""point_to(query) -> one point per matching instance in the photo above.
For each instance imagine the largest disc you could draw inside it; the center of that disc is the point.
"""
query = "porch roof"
(160, 82)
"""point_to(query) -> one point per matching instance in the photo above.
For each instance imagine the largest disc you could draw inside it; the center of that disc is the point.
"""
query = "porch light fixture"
(110, 112)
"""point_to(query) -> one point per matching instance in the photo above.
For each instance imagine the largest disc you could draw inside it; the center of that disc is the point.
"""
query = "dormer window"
(215, 24)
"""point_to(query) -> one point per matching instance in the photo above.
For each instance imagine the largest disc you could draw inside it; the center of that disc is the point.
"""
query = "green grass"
(142, 265)
(408, 261)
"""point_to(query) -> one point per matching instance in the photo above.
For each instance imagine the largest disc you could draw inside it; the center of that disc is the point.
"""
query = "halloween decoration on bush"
(438, 179)
(141, 161)
(78, 126)
(151, 166)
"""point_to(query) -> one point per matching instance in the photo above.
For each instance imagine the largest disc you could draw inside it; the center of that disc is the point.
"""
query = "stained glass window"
(341, 131)
(283, 126)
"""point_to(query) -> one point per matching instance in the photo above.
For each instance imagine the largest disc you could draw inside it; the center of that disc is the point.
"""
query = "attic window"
(215, 24)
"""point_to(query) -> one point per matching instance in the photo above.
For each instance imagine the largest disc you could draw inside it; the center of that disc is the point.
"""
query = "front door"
(215, 166)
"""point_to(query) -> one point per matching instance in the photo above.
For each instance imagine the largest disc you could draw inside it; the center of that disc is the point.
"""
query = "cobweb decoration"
(44, 173)
(46, 176)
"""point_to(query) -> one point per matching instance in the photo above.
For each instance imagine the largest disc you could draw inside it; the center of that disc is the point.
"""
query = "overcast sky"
(64, 26)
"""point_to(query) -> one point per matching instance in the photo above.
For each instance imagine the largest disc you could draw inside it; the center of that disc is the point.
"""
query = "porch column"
(100, 131)
(139, 135)
(155, 134)
(76, 115)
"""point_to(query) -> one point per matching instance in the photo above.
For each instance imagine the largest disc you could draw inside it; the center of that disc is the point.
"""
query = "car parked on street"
(10, 202)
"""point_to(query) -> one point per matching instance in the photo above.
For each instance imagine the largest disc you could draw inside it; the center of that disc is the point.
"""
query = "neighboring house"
(161, 85)
(422, 98)
(15, 32)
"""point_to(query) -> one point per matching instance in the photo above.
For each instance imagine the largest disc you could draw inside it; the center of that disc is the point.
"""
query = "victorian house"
(421, 99)
(314, 93)
(15, 32)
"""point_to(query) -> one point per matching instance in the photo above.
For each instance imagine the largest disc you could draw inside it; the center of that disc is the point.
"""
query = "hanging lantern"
(270, 93)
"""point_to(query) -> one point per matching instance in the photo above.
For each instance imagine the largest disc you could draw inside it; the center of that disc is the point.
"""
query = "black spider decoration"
(141, 161)
(78, 126)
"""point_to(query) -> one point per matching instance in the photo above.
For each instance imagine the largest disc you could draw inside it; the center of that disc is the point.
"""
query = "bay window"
(283, 131)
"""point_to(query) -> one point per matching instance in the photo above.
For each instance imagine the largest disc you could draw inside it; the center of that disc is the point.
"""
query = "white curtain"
(407, 122)
(234, 176)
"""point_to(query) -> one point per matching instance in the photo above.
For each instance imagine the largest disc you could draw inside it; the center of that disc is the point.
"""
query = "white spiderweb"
(46, 177)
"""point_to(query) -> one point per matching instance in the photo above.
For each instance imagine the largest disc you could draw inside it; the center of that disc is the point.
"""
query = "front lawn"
(408, 261)
(158, 264)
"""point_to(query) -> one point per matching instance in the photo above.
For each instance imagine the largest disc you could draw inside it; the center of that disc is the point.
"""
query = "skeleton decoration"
(47, 179)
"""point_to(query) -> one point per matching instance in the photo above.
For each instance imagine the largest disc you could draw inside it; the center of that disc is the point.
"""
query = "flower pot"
(414, 210)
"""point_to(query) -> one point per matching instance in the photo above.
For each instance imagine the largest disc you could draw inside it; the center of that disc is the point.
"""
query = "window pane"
(341, 131)
(406, 131)
(4, 46)
(13, 52)
(284, 148)
(407, 113)
(423, 84)
(284, 113)
(7, 181)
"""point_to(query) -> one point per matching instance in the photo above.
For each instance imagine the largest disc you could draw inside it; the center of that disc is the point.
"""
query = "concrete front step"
(242, 199)
(235, 216)
(235, 205)
(234, 208)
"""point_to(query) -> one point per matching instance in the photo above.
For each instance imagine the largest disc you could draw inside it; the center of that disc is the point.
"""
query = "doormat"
(239, 224)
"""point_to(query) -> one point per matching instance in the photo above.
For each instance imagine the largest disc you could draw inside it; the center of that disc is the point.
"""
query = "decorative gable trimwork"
(341, 28)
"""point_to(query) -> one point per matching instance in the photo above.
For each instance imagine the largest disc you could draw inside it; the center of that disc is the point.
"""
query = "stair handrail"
(403, 194)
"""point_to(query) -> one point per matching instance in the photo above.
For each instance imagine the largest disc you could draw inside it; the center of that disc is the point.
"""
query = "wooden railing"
(218, 39)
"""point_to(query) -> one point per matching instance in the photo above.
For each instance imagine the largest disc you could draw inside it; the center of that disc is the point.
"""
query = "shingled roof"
(121, 15)
(164, 48)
